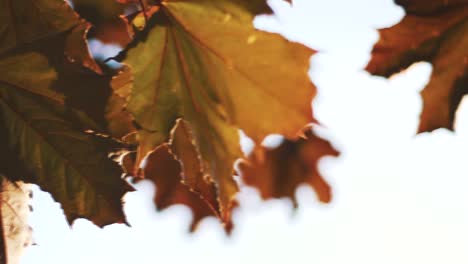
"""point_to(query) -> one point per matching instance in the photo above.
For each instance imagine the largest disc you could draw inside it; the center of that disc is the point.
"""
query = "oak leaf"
(277, 172)
(204, 62)
(435, 31)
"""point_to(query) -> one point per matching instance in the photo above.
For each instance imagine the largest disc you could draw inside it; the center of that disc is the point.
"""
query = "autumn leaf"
(108, 27)
(194, 172)
(50, 94)
(15, 233)
(72, 165)
(277, 172)
(177, 172)
(165, 172)
(24, 21)
(204, 62)
(435, 31)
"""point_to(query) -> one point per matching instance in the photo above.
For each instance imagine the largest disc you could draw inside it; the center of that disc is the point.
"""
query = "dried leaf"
(15, 233)
(435, 31)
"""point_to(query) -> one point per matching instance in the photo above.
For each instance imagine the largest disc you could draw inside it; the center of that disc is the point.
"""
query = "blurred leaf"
(435, 31)
(277, 172)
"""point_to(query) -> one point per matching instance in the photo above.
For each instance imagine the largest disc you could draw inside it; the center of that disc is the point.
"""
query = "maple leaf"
(435, 31)
(277, 172)
(25, 22)
(176, 170)
(72, 165)
(165, 172)
(46, 103)
(15, 233)
(204, 62)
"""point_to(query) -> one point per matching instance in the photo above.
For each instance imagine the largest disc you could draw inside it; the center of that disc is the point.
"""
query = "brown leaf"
(435, 31)
(195, 174)
(24, 21)
(278, 172)
(165, 171)
(47, 101)
(107, 17)
(15, 233)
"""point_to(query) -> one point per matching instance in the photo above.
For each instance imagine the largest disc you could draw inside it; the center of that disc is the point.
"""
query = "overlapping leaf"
(165, 172)
(25, 21)
(46, 102)
(104, 15)
(435, 31)
(72, 165)
(204, 62)
(277, 172)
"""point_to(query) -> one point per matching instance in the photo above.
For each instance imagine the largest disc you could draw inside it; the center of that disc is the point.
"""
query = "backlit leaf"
(72, 165)
(165, 172)
(277, 172)
(50, 94)
(25, 21)
(435, 31)
(204, 62)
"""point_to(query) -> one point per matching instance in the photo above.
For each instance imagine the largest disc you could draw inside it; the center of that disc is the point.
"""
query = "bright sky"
(399, 198)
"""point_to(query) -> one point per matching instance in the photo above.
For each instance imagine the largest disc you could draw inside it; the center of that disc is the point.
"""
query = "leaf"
(72, 165)
(277, 172)
(435, 31)
(46, 102)
(15, 233)
(194, 173)
(176, 170)
(165, 172)
(108, 27)
(204, 62)
(44, 69)
(24, 21)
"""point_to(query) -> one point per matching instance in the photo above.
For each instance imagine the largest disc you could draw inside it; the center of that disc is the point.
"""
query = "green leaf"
(204, 62)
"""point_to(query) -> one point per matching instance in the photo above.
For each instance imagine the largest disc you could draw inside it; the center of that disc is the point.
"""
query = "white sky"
(399, 198)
